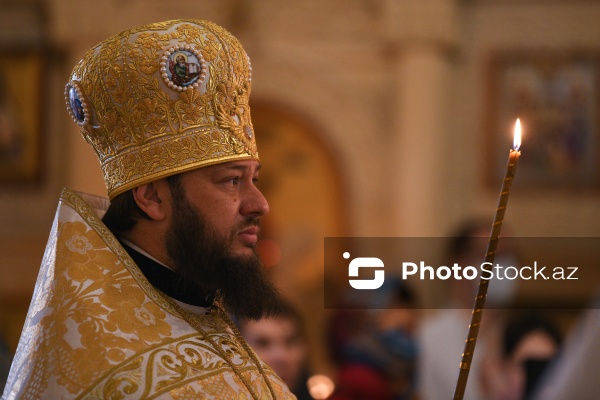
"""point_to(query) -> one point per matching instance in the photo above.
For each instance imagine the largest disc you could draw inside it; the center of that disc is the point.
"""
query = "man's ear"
(152, 199)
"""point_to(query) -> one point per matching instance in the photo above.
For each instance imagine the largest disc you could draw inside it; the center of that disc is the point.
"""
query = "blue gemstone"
(76, 105)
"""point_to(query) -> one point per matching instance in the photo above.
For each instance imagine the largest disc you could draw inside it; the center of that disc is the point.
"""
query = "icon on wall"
(21, 81)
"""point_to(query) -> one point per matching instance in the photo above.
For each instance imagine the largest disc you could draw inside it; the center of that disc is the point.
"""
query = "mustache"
(249, 222)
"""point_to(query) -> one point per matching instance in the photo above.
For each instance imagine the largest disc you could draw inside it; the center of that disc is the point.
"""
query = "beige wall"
(394, 88)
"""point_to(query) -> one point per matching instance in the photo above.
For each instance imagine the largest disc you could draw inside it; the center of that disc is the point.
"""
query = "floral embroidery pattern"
(135, 111)
(96, 329)
(112, 313)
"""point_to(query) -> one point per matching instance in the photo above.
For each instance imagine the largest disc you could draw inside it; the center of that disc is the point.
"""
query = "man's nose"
(254, 202)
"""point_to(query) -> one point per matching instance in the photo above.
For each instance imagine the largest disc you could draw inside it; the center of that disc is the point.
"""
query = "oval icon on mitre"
(76, 104)
(182, 68)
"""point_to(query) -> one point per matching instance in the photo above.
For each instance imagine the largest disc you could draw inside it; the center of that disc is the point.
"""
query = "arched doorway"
(303, 183)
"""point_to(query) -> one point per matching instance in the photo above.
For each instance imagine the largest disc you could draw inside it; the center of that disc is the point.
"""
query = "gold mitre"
(161, 99)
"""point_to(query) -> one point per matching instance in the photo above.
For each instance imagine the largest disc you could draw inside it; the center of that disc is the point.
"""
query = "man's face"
(226, 197)
(215, 214)
(278, 343)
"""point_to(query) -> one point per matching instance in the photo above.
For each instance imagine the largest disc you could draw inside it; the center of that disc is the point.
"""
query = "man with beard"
(206, 259)
(134, 298)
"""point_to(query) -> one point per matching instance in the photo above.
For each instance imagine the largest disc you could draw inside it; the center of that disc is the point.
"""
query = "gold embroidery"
(144, 128)
(98, 329)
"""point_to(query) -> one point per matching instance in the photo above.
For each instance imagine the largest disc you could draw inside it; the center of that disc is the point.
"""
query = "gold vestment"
(97, 329)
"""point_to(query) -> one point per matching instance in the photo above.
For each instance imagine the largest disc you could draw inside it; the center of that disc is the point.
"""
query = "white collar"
(142, 251)
(187, 307)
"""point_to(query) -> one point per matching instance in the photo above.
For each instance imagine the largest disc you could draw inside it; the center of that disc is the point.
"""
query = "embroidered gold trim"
(148, 118)
(210, 328)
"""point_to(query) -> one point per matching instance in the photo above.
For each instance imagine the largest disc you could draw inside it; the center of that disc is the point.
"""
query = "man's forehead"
(252, 165)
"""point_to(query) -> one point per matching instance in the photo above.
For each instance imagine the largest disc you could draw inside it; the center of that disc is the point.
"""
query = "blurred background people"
(281, 342)
(529, 343)
(574, 372)
(375, 348)
(442, 333)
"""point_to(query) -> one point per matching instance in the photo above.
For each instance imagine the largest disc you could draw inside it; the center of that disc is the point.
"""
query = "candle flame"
(517, 135)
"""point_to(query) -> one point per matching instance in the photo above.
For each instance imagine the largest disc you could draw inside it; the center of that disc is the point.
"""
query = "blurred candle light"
(467, 356)
(320, 387)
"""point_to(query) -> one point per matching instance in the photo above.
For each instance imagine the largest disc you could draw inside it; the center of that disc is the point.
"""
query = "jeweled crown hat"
(161, 99)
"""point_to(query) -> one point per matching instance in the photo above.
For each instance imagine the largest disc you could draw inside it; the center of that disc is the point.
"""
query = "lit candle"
(467, 356)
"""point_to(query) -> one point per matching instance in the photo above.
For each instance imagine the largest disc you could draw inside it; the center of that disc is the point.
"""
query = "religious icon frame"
(556, 95)
(22, 77)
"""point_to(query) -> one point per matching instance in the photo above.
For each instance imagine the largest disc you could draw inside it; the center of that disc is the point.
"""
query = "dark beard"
(205, 264)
